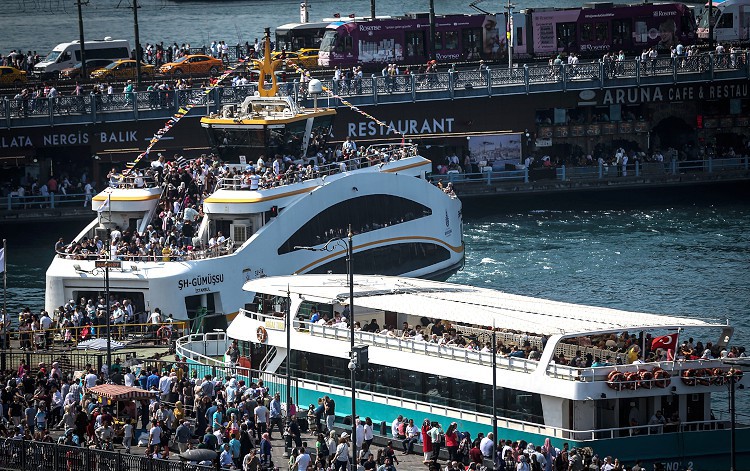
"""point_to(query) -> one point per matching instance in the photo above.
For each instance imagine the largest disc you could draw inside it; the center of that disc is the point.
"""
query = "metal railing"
(376, 89)
(601, 373)
(35, 455)
(371, 156)
(447, 352)
(126, 331)
(601, 171)
(178, 255)
(13, 202)
(131, 181)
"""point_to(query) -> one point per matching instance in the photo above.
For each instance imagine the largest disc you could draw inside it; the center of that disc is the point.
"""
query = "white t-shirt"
(303, 461)
(261, 412)
(155, 435)
(90, 380)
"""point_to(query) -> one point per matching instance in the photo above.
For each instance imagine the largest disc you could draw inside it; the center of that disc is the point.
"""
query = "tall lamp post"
(330, 247)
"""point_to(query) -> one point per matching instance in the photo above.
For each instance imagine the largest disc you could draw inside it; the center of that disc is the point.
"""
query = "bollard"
(710, 164)
(526, 175)
(601, 170)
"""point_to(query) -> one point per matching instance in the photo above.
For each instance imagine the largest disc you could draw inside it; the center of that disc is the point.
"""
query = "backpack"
(323, 449)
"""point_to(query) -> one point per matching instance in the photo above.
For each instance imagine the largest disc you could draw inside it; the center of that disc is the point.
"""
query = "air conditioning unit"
(240, 231)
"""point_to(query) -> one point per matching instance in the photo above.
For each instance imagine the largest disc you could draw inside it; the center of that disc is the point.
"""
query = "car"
(91, 65)
(12, 76)
(123, 69)
(193, 64)
(304, 57)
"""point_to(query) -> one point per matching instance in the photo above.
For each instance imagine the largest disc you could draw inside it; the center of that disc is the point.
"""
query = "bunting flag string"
(181, 112)
(348, 104)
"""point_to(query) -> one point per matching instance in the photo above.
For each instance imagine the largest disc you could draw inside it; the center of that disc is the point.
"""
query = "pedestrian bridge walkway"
(374, 90)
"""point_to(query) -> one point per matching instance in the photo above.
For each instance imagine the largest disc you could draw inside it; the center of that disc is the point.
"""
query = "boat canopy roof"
(467, 304)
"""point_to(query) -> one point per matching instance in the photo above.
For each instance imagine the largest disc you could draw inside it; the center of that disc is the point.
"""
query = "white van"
(66, 55)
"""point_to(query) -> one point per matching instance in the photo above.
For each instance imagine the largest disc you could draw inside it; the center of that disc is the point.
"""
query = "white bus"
(66, 55)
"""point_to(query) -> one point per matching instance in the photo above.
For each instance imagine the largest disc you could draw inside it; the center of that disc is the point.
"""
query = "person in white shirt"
(154, 437)
(156, 317)
(485, 446)
(90, 379)
(129, 377)
(303, 459)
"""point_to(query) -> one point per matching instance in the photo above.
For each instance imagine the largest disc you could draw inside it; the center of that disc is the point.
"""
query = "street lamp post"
(349, 245)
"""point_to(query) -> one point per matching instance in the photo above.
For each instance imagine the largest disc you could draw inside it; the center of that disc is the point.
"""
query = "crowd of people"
(239, 419)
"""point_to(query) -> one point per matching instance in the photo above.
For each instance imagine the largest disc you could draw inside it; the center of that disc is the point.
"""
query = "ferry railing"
(130, 181)
(594, 374)
(213, 344)
(369, 157)
(420, 347)
(486, 177)
(179, 255)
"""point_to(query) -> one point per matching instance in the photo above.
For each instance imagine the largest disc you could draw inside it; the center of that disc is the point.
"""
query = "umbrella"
(199, 454)
(99, 344)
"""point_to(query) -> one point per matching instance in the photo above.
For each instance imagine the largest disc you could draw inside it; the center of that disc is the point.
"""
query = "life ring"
(615, 380)
(688, 377)
(632, 380)
(718, 377)
(262, 334)
(735, 374)
(703, 375)
(662, 379)
(647, 379)
(244, 362)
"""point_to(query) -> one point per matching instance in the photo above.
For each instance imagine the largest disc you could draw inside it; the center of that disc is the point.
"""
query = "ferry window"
(364, 213)
(389, 260)
(451, 40)
(566, 35)
(329, 40)
(621, 33)
(519, 36)
(726, 21)
(288, 140)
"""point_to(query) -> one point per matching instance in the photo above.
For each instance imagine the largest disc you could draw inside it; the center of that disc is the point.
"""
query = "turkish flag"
(667, 342)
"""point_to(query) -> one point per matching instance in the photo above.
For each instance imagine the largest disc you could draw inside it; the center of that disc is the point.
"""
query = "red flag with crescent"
(667, 342)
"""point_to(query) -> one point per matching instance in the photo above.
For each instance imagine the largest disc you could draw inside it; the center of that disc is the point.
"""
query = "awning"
(117, 392)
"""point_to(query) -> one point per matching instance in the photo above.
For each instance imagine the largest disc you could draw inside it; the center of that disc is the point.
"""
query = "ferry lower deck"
(538, 395)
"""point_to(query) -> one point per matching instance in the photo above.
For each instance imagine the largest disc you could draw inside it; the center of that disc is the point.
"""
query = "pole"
(509, 34)
(350, 267)
(732, 438)
(138, 55)
(372, 9)
(288, 358)
(494, 393)
(79, 3)
(106, 292)
(5, 294)
(432, 29)
(710, 24)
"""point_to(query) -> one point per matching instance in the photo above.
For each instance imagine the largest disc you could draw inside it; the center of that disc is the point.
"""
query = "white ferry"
(607, 408)
(402, 225)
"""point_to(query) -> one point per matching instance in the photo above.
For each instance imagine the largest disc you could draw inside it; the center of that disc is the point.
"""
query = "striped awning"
(117, 392)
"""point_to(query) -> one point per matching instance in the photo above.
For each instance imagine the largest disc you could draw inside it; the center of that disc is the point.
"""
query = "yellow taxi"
(11, 75)
(123, 69)
(304, 57)
(193, 64)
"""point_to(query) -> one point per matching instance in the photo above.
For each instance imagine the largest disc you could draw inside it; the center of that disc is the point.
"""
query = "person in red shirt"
(475, 454)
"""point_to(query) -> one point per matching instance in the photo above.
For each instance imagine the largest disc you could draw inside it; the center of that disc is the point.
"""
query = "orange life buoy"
(631, 379)
(703, 375)
(688, 377)
(662, 379)
(244, 362)
(262, 334)
(718, 377)
(647, 379)
(615, 380)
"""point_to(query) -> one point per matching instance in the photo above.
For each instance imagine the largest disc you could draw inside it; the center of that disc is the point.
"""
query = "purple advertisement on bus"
(406, 40)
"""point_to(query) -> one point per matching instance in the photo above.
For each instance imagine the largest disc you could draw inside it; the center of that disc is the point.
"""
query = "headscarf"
(547, 448)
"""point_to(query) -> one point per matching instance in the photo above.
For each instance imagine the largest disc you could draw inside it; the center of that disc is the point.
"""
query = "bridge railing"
(13, 202)
(600, 171)
(376, 88)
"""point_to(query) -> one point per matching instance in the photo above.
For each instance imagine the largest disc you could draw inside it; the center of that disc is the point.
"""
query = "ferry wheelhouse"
(607, 408)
